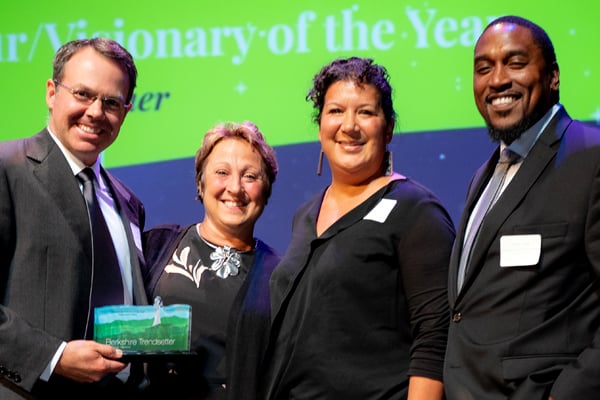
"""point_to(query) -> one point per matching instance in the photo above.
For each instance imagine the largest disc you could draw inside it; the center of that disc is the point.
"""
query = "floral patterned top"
(207, 277)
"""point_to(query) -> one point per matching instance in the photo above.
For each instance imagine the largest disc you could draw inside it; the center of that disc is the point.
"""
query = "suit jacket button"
(14, 376)
(456, 317)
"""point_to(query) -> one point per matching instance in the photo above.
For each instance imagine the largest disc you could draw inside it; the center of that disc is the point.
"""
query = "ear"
(50, 93)
(389, 133)
(200, 192)
(555, 78)
(128, 107)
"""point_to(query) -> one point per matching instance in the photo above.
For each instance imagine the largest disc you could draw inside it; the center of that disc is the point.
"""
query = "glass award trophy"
(145, 331)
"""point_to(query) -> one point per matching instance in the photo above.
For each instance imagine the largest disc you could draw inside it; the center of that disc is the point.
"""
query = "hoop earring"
(320, 163)
(388, 163)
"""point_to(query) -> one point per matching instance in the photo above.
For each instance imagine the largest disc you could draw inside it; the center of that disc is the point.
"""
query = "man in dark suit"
(47, 262)
(526, 303)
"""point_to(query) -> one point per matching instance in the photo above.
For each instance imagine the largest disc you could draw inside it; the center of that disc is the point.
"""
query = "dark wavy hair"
(359, 70)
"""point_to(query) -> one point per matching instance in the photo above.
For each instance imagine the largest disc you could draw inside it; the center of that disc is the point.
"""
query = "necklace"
(226, 260)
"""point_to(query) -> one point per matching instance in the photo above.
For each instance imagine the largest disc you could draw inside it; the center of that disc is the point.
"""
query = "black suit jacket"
(45, 257)
(526, 331)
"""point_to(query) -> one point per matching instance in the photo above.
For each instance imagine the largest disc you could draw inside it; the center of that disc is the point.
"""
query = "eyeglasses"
(110, 104)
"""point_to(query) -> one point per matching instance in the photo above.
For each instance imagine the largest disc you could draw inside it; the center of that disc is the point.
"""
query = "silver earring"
(388, 162)
(320, 164)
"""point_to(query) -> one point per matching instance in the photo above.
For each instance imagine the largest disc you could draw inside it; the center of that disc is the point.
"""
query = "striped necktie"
(488, 198)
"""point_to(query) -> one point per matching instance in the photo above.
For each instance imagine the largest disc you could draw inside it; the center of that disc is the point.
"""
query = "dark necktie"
(488, 199)
(107, 284)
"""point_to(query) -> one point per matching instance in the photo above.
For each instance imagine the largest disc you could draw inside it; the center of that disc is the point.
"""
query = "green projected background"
(204, 62)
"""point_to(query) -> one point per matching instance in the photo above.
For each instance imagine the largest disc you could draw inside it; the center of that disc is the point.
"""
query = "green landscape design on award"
(146, 329)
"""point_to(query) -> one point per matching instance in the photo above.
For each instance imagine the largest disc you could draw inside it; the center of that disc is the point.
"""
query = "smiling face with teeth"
(234, 190)
(86, 129)
(514, 85)
(353, 131)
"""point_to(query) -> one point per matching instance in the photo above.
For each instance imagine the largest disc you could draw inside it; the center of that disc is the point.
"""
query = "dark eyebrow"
(510, 54)
(518, 52)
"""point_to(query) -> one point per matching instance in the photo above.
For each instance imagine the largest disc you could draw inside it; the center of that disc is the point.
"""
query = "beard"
(512, 133)
(508, 135)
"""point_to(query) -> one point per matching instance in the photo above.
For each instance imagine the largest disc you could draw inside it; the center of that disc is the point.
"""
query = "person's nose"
(234, 184)
(349, 124)
(96, 109)
(500, 77)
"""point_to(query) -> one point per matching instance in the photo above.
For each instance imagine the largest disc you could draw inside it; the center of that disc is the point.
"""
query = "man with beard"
(524, 286)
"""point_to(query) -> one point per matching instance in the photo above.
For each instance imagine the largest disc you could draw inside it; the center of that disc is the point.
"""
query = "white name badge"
(381, 211)
(520, 250)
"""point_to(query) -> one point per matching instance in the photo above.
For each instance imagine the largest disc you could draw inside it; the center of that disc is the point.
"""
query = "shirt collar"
(523, 145)
(76, 165)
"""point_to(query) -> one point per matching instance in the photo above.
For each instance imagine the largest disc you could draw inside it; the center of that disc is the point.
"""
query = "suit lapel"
(542, 153)
(54, 174)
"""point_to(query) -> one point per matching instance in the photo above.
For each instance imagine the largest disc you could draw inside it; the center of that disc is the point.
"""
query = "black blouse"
(362, 307)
